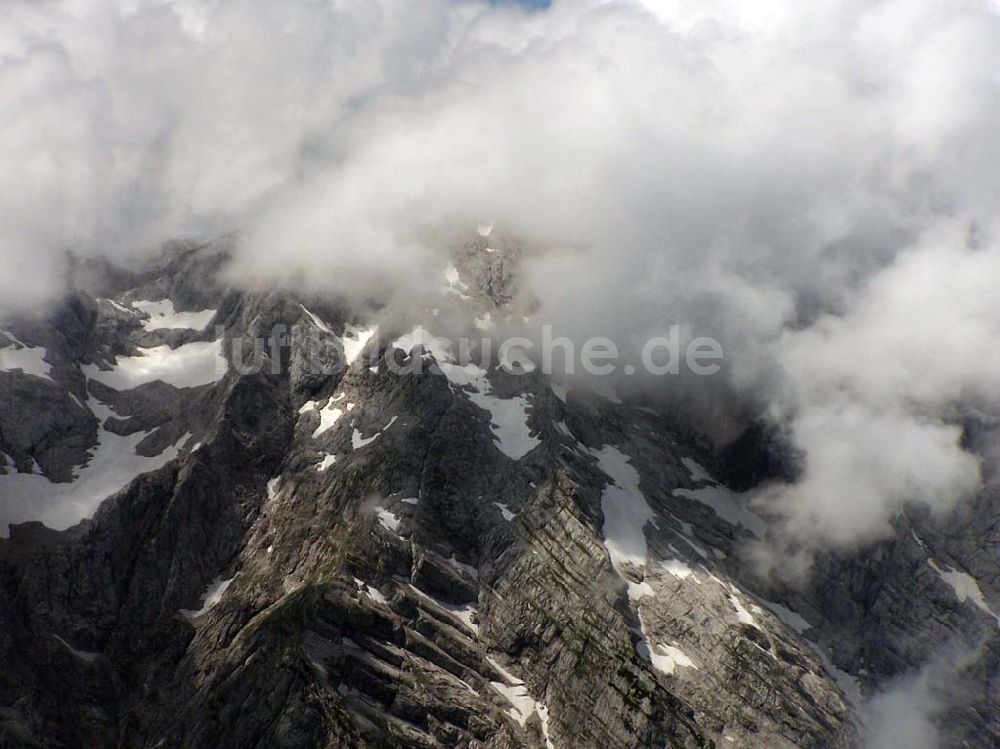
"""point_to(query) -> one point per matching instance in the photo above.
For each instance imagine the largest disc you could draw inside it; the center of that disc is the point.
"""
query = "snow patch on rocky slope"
(163, 316)
(113, 463)
(190, 365)
(508, 416)
(20, 356)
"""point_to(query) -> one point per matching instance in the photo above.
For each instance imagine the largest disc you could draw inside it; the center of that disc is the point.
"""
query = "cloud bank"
(815, 184)
(908, 711)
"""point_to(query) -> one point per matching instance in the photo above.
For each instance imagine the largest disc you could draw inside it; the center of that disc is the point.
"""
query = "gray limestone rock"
(346, 557)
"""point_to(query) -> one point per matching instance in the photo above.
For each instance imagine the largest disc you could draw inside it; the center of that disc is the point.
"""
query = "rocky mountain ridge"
(263, 548)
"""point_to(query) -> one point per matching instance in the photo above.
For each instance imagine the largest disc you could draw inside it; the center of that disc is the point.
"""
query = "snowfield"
(508, 416)
(625, 509)
(112, 466)
(190, 365)
(728, 505)
(210, 598)
(20, 356)
(163, 316)
(965, 586)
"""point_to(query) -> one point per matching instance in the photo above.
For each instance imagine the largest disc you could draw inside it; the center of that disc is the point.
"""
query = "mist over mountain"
(808, 190)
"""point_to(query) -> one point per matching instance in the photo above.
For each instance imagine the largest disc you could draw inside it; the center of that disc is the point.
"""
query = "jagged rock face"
(316, 549)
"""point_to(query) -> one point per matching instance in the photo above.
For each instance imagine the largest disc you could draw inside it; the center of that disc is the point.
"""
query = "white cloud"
(902, 716)
(917, 709)
(796, 179)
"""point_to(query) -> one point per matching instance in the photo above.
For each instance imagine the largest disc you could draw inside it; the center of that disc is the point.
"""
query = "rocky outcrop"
(337, 554)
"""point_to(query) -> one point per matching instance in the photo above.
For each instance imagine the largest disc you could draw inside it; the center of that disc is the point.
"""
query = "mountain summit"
(247, 519)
